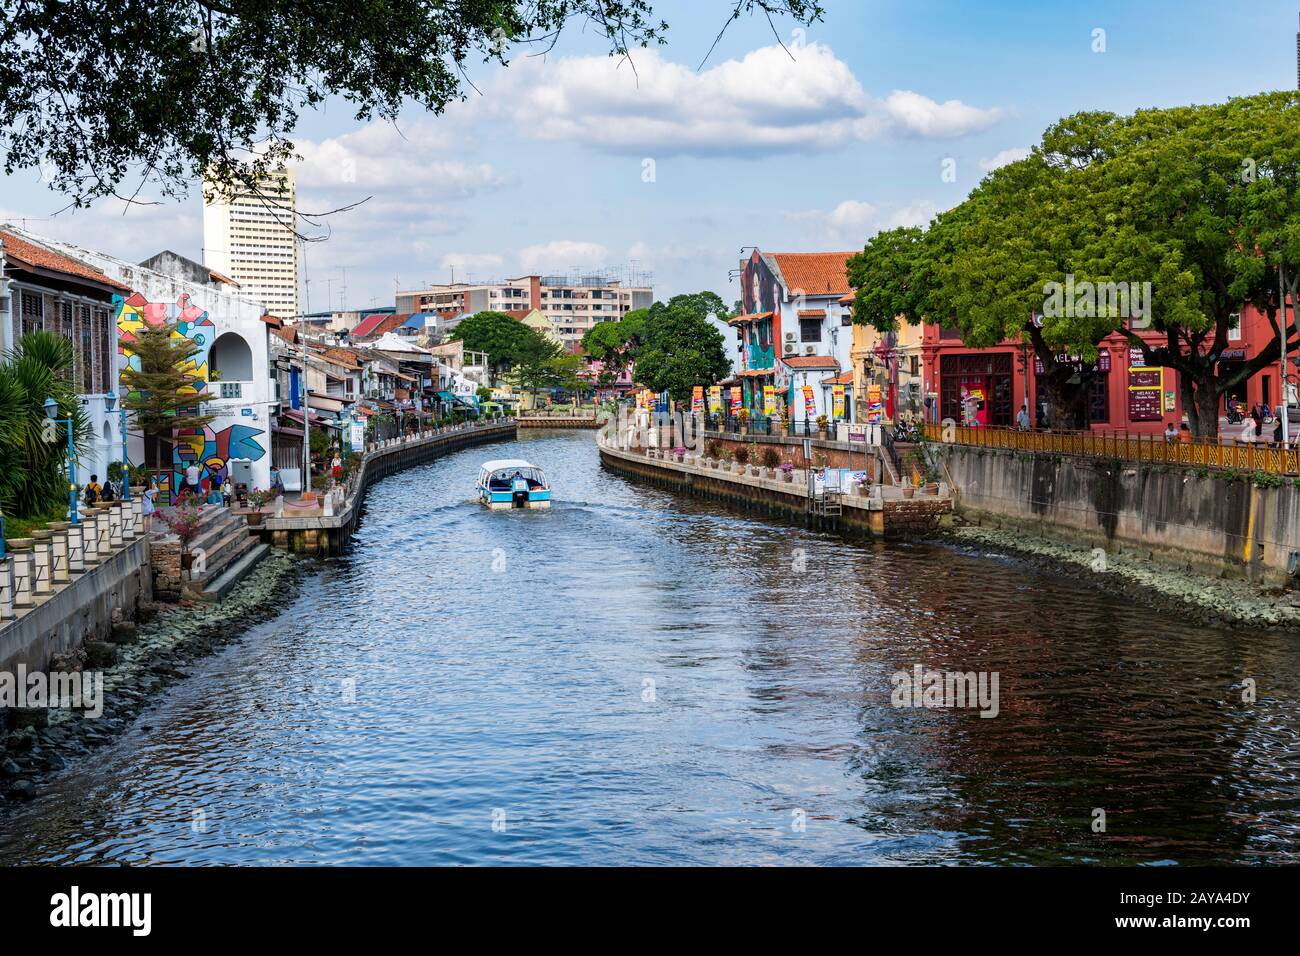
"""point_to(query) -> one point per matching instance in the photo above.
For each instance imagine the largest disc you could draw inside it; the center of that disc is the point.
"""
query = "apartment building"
(249, 235)
(573, 304)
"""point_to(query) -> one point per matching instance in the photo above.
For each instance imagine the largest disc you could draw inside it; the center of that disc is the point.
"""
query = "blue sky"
(546, 170)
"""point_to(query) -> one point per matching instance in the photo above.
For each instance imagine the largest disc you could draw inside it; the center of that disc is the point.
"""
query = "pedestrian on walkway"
(1171, 433)
(1257, 416)
(1022, 418)
(92, 492)
(192, 472)
(148, 506)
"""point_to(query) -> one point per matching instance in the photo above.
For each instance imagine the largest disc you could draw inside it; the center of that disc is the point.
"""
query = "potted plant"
(258, 499)
(924, 470)
(184, 522)
(771, 457)
(724, 459)
(821, 425)
(787, 471)
(743, 419)
(679, 453)
(742, 457)
(908, 489)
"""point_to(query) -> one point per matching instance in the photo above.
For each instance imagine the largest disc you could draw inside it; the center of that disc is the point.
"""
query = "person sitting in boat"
(518, 482)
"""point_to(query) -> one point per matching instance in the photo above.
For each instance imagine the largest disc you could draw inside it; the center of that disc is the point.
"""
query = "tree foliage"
(507, 341)
(33, 479)
(680, 348)
(1202, 202)
(163, 394)
(109, 93)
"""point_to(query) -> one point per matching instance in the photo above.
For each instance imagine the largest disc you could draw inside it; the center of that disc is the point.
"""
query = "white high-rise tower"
(252, 239)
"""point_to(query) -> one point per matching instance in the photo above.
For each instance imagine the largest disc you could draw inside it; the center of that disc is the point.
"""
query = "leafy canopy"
(109, 94)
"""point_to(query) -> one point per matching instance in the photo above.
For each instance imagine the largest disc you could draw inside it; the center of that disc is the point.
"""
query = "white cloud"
(562, 256)
(763, 103)
(467, 262)
(921, 116)
(851, 223)
(381, 157)
(1004, 157)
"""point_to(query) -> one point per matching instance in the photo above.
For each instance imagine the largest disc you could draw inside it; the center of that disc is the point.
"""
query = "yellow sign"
(837, 395)
(769, 399)
(715, 399)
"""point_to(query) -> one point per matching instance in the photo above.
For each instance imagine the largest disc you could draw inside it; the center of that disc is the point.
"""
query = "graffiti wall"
(217, 444)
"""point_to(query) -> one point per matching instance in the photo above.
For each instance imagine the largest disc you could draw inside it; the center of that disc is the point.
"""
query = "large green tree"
(163, 392)
(106, 93)
(1200, 202)
(614, 344)
(681, 349)
(507, 341)
(33, 449)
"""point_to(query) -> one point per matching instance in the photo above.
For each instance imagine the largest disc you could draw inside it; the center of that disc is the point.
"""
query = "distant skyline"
(575, 160)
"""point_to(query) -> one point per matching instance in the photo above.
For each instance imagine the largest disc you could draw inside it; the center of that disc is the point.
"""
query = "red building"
(993, 383)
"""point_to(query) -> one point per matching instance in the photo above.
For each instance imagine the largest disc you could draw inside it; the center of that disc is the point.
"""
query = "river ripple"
(635, 677)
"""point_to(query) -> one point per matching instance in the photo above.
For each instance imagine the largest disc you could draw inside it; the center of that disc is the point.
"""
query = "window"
(846, 318)
(1234, 327)
(810, 330)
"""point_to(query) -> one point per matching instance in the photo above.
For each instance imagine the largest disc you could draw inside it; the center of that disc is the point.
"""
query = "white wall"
(241, 430)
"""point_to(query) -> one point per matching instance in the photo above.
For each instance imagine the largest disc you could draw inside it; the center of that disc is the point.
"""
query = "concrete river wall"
(1217, 522)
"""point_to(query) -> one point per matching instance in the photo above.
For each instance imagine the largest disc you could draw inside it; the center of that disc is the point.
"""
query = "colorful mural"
(134, 311)
(213, 448)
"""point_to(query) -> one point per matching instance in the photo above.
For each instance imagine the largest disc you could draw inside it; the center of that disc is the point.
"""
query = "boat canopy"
(503, 463)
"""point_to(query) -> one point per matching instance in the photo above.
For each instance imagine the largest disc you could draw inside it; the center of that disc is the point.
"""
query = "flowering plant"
(258, 497)
(787, 467)
(184, 519)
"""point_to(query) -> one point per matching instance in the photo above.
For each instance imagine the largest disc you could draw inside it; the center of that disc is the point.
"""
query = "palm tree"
(33, 478)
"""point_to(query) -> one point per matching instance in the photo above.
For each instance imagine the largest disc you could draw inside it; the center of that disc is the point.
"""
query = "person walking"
(1257, 416)
(1171, 433)
(192, 472)
(148, 507)
(1022, 418)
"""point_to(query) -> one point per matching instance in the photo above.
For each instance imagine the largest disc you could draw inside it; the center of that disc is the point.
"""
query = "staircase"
(228, 551)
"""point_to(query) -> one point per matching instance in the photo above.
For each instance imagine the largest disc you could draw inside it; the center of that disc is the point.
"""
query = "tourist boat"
(512, 483)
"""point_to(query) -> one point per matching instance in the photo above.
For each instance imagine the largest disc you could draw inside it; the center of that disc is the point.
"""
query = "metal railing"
(1122, 446)
(772, 426)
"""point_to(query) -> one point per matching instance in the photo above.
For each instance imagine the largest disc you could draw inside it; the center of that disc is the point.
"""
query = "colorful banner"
(809, 402)
(697, 400)
(735, 399)
(837, 395)
(769, 399)
(715, 399)
(875, 410)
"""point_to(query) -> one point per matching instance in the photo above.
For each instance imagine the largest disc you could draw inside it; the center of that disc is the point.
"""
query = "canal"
(635, 677)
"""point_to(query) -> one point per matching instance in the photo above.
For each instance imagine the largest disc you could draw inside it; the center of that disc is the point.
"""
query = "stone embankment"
(138, 660)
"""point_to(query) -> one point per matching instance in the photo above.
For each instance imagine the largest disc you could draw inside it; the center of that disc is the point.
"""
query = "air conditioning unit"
(789, 336)
(809, 350)
(791, 349)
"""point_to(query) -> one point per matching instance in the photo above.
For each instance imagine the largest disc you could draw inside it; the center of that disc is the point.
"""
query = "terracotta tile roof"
(845, 379)
(343, 357)
(811, 361)
(39, 257)
(749, 318)
(814, 273)
(289, 334)
(812, 313)
(848, 298)
(220, 278)
(273, 321)
(517, 314)
(755, 372)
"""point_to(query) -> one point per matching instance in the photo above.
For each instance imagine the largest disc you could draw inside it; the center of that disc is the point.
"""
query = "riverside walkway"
(323, 527)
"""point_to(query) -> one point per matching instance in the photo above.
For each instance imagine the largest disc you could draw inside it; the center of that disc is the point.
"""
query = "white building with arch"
(232, 363)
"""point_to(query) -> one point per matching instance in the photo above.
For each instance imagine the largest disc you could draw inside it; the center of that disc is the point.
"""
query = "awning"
(466, 402)
(325, 404)
(446, 397)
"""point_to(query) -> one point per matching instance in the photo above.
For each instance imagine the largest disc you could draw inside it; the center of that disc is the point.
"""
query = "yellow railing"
(1125, 447)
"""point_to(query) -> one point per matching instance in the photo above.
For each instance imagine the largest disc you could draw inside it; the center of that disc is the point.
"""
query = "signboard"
(1145, 394)
(735, 399)
(715, 399)
(1136, 358)
(1102, 365)
(697, 400)
(358, 435)
(769, 400)
(837, 396)
(809, 402)
(875, 410)
(246, 412)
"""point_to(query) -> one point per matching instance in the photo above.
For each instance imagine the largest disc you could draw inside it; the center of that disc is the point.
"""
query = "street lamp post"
(109, 401)
(52, 413)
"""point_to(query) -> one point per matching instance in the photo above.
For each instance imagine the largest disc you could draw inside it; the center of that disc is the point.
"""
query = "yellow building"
(870, 365)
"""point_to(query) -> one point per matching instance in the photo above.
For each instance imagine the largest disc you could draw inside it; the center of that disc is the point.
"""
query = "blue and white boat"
(512, 483)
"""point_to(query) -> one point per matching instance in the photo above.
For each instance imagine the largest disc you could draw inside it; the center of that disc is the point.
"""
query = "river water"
(636, 677)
